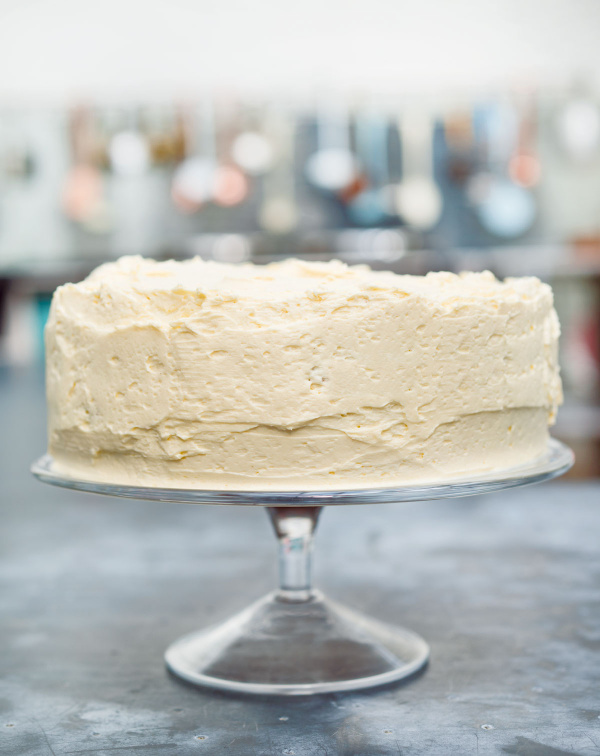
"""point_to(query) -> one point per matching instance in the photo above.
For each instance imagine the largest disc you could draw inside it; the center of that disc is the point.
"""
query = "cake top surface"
(293, 278)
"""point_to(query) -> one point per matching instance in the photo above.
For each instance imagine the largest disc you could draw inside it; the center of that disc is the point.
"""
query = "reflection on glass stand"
(294, 640)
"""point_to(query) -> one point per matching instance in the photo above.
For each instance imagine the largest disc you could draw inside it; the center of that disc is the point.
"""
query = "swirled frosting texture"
(296, 375)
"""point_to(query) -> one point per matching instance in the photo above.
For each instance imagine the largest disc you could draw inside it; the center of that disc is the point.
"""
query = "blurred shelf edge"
(351, 246)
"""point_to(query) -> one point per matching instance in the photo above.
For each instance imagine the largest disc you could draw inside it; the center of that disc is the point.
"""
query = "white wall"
(57, 49)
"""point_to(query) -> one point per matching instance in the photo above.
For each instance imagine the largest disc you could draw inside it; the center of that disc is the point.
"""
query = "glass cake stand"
(296, 641)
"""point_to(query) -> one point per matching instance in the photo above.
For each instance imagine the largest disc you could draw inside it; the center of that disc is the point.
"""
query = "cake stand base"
(278, 646)
(295, 641)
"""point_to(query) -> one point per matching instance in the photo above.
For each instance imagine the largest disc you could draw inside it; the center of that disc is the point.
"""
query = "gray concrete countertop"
(504, 587)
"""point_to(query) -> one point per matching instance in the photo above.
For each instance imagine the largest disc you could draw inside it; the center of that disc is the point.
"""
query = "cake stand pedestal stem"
(294, 528)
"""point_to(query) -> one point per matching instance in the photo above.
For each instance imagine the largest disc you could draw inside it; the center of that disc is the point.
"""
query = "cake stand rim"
(557, 460)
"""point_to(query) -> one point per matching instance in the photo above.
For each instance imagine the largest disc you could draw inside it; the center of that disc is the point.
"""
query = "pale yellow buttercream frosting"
(296, 375)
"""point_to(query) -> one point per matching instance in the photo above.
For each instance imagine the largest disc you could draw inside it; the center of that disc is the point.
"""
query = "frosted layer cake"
(296, 375)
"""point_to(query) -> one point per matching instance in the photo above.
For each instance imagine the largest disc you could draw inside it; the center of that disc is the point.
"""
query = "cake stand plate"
(295, 641)
(556, 460)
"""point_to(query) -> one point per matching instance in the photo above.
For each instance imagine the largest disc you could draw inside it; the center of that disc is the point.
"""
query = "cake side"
(296, 375)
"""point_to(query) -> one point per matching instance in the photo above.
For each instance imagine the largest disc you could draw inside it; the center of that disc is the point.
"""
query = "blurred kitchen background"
(408, 136)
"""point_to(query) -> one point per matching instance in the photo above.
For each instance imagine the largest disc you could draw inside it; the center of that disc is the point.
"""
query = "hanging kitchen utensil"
(230, 183)
(578, 126)
(136, 190)
(418, 198)
(129, 150)
(252, 152)
(83, 195)
(17, 159)
(569, 144)
(278, 212)
(370, 207)
(333, 167)
(163, 130)
(503, 208)
(194, 178)
(524, 167)
(458, 136)
(251, 149)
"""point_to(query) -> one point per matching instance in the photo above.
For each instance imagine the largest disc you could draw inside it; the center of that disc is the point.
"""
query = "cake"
(296, 375)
